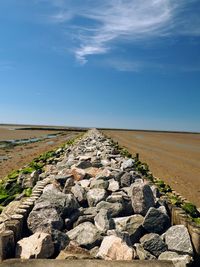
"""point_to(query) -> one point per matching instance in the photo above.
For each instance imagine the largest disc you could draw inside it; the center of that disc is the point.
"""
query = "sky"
(98, 63)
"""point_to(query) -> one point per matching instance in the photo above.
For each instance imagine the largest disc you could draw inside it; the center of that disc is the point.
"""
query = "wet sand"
(18, 156)
(173, 157)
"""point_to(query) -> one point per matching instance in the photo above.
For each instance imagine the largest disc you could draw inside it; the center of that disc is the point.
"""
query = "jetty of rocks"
(92, 204)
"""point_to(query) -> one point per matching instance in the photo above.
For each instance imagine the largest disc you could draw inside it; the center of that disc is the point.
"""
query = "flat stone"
(156, 221)
(96, 195)
(114, 248)
(142, 198)
(153, 243)
(38, 246)
(86, 235)
(178, 240)
(177, 259)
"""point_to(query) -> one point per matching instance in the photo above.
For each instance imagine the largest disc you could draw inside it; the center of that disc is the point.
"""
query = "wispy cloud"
(6, 65)
(100, 23)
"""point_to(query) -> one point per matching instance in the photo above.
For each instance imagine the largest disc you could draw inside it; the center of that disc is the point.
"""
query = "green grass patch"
(190, 209)
(27, 192)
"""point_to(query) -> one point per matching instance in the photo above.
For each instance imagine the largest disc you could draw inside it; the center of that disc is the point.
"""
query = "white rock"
(38, 245)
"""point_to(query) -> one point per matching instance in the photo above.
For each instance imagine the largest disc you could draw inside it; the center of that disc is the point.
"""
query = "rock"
(104, 174)
(51, 188)
(94, 196)
(115, 209)
(38, 245)
(68, 185)
(156, 221)
(79, 193)
(126, 180)
(92, 171)
(84, 164)
(49, 211)
(94, 251)
(113, 185)
(103, 222)
(61, 179)
(86, 235)
(177, 259)
(153, 243)
(78, 174)
(132, 225)
(99, 184)
(178, 240)
(34, 178)
(60, 240)
(142, 198)
(143, 254)
(127, 164)
(84, 183)
(74, 252)
(114, 248)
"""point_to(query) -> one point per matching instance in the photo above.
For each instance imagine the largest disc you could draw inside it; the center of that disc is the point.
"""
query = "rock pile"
(98, 206)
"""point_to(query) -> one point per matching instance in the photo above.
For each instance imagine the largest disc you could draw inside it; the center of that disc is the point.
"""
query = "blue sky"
(117, 63)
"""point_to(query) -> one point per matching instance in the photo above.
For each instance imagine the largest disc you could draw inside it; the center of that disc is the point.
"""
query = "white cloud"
(100, 23)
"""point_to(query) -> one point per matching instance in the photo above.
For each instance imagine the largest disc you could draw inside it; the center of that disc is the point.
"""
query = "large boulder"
(132, 225)
(178, 240)
(94, 196)
(156, 221)
(38, 245)
(142, 198)
(60, 240)
(78, 174)
(115, 209)
(127, 164)
(86, 235)
(126, 180)
(103, 221)
(114, 248)
(49, 211)
(113, 185)
(154, 244)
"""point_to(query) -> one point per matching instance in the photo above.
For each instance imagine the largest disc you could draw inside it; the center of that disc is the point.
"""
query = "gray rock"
(115, 209)
(79, 193)
(178, 240)
(127, 164)
(38, 246)
(143, 254)
(177, 259)
(132, 225)
(84, 164)
(153, 243)
(86, 235)
(96, 195)
(102, 184)
(142, 198)
(51, 188)
(68, 184)
(156, 221)
(126, 180)
(49, 211)
(114, 248)
(103, 222)
(61, 179)
(113, 185)
(60, 240)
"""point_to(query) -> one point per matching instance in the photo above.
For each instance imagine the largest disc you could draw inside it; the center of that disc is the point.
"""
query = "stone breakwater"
(93, 204)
